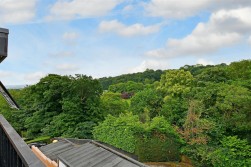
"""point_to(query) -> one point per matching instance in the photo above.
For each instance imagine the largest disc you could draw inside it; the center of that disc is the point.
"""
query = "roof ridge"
(118, 153)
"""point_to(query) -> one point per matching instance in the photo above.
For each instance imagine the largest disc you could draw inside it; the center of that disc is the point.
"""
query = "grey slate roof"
(88, 154)
(53, 150)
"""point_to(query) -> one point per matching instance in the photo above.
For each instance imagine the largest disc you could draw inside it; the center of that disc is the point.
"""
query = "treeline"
(203, 112)
(147, 77)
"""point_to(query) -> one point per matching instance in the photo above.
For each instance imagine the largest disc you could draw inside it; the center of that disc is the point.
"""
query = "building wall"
(61, 164)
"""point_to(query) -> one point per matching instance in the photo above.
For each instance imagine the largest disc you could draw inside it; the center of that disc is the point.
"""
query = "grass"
(45, 139)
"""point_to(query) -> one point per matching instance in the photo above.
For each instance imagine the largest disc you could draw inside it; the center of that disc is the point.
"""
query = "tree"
(195, 132)
(174, 110)
(12, 115)
(147, 104)
(118, 131)
(155, 140)
(112, 103)
(240, 70)
(194, 127)
(175, 83)
(130, 87)
(213, 74)
(233, 152)
(234, 103)
(58, 105)
(41, 102)
(80, 106)
(147, 77)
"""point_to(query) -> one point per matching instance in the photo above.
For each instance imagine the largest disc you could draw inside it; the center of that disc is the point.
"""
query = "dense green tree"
(58, 104)
(130, 86)
(147, 104)
(213, 74)
(112, 103)
(175, 83)
(147, 77)
(232, 152)
(155, 140)
(240, 70)
(41, 102)
(206, 105)
(174, 110)
(118, 131)
(80, 106)
(12, 115)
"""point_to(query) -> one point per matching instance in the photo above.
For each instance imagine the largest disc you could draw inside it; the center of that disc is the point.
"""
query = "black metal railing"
(14, 152)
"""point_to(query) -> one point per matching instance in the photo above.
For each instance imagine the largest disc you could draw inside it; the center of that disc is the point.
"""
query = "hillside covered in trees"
(203, 112)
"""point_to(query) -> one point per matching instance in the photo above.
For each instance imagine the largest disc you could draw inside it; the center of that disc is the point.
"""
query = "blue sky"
(112, 37)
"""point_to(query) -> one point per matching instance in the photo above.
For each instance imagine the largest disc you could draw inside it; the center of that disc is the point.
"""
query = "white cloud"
(224, 28)
(249, 40)
(179, 9)
(33, 77)
(17, 11)
(63, 54)
(67, 67)
(150, 64)
(70, 36)
(4, 74)
(128, 31)
(65, 9)
(175, 8)
(205, 62)
(19, 78)
(128, 8)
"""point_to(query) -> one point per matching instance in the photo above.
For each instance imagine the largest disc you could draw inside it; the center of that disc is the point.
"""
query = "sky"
(102, 38)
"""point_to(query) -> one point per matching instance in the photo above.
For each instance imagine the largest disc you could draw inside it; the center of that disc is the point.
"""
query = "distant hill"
(15, 86)
(148, 76)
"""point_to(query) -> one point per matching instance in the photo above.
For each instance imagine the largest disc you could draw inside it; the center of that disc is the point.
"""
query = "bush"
(152, 141)
(234, 152)
(158, 142)
(118, 131)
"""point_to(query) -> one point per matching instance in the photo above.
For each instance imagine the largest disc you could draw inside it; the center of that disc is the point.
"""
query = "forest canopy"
(203, 112)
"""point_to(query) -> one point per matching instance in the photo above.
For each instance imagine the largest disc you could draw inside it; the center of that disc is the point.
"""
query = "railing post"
(14, 152)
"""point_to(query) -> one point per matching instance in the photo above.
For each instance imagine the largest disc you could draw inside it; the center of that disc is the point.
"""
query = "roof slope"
(91, 155)
(53, 150)
(88, 154)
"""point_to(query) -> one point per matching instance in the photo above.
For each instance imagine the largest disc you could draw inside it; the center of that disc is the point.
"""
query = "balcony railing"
(14, 152)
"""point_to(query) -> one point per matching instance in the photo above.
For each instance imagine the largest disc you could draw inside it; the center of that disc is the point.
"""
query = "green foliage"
(174, 110)
(112, 103)
(153, 141)
(129, 86)
(203, 103)
(146, 104)
(234, 102)
(233, 152)
(118, 132)
(176, 83)
(240, 70)
(60, 105)
(12, 115)
(146, 77)
(213, 74)
(45, 139)
(230, 104)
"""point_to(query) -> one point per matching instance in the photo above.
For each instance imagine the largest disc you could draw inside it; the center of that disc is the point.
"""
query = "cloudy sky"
(113, 37)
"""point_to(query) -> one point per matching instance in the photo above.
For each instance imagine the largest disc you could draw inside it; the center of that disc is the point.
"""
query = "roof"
(53, 150)
(7, 96)
(3, 30)
(88, 154)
